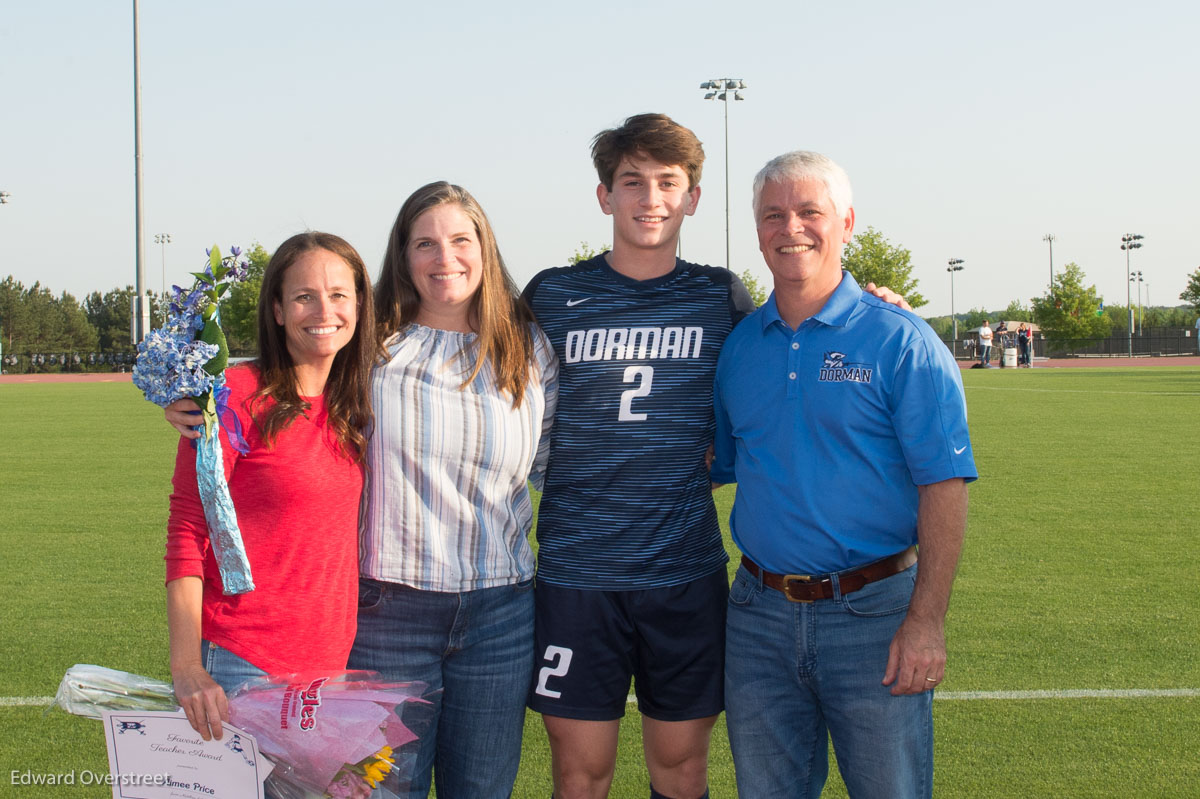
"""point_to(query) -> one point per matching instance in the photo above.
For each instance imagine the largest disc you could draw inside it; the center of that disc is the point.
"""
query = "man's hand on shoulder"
(887, 295)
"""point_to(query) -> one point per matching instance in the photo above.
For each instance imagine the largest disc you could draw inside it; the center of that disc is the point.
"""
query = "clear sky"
(969, 130)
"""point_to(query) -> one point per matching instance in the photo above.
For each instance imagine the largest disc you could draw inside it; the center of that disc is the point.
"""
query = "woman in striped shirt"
(463, 404)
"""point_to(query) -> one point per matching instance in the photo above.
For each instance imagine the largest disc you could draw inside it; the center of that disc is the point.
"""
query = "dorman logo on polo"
(836, 370)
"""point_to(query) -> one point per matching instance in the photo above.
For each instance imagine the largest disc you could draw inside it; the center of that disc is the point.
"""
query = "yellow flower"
(376, 767)
(384, 760)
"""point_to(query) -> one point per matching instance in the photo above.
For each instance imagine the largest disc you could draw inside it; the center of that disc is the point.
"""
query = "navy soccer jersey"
(626, 503)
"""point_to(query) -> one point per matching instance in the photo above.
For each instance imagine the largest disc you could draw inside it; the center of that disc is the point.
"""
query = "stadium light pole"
(1141, 311)
(141, 308)
(163, 239)
(1049, 237)
(1129, 242)
(1136, 277)
(3, 199)
(719, 89)
(955, 266)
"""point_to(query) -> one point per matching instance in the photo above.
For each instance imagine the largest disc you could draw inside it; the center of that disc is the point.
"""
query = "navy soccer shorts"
(670, 640)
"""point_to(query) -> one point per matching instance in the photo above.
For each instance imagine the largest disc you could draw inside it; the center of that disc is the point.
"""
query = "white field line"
(25, 701)
(1119, 693)
(1068, 693)
(1083, 391)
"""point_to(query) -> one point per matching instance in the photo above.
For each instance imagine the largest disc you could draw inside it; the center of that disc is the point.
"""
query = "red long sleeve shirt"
(297, 508)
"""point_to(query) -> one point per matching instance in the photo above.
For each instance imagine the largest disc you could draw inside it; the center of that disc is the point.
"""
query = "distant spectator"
(1023, 342)
(985, 344)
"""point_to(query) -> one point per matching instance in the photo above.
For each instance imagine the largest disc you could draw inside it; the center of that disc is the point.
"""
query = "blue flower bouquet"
(186, 357)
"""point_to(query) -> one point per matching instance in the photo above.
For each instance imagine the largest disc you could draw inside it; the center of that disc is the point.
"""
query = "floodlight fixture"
(163, 239)
(1129, 242)
(1049, 238)
(1136, 277)
(955, 265)
(720, 91)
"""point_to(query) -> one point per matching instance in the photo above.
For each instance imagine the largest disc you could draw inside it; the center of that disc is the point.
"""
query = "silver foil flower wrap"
(223, 531)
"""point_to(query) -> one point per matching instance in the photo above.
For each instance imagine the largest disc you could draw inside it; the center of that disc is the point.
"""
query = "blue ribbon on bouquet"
(229, 420)
(223, 531)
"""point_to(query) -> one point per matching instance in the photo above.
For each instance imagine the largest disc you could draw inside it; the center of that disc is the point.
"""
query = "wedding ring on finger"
(930, 679)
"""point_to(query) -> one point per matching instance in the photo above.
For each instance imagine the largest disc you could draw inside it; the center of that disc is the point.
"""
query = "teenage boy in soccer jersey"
(631, 567)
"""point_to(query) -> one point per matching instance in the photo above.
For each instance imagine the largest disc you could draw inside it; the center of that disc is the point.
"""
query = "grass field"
(1079, 575)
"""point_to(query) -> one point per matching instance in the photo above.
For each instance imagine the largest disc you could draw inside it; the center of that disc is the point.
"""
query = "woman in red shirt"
(302, 405)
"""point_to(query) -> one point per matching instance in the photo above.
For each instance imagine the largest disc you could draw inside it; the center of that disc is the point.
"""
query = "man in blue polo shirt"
(842, 419)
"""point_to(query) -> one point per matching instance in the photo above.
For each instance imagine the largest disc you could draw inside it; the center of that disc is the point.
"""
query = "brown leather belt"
(811, 587)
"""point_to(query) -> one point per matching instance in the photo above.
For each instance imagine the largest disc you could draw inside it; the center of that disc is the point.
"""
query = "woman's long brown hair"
(347, 399)
(501, 317)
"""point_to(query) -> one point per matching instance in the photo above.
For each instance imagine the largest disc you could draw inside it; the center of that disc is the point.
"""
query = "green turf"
(1079, 573)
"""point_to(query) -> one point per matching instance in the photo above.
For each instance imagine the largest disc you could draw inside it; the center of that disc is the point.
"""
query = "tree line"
(44, 331)
(36, 321)
(1072, 310)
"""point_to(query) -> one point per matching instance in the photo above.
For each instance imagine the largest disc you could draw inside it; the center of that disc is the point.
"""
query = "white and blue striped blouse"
(446, 506)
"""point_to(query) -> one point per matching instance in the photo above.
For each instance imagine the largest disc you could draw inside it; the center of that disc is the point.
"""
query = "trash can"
(1010, 357)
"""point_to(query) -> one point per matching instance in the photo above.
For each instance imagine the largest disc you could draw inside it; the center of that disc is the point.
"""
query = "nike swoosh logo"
(959, 450)
(573, 303)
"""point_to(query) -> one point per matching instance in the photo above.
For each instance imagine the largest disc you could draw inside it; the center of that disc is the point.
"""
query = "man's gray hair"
(806, 165)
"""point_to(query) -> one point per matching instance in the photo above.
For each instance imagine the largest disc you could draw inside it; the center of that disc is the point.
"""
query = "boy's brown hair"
(654, 135)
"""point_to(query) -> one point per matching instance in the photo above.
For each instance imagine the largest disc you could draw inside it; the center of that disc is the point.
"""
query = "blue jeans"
(986, 356)
(227, 669)
(797, 674)
(477, 647)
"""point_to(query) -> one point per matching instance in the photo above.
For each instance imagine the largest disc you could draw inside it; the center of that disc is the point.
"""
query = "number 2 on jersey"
(632, 373)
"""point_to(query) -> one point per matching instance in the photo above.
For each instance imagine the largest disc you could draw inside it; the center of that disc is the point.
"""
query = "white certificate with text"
(159, 756)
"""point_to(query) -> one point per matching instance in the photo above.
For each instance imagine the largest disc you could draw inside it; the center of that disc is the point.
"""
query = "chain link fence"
(38, 362)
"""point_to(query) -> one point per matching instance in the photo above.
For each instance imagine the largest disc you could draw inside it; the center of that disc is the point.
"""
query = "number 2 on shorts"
(561, 659)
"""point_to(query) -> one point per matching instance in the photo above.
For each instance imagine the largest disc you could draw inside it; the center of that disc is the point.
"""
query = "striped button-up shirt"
(446, 507)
